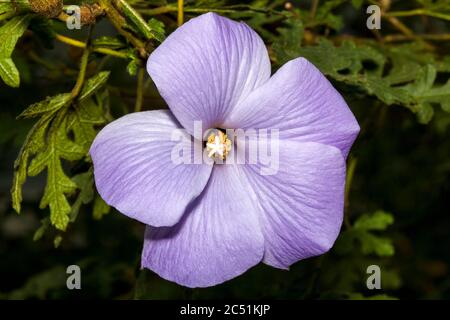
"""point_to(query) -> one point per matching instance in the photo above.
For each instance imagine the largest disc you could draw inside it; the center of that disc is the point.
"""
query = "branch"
(419, 12)
(79, 44)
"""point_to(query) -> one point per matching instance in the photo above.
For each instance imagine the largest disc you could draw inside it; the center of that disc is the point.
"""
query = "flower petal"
(300, 102)
(218, 239)
(134, 170)
(302, 203)
(206, 66)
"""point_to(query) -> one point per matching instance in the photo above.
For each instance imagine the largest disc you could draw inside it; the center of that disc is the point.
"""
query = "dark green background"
(402, 167)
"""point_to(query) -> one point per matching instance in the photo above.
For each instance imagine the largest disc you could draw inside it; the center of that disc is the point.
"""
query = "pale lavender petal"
(135, 173)
(206, 66)
(301, 206)
(300, 102)
(218, 239)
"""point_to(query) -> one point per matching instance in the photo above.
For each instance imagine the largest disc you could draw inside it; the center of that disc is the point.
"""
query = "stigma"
(218, 145)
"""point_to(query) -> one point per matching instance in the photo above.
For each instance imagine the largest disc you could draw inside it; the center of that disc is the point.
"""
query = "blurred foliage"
(64, 85)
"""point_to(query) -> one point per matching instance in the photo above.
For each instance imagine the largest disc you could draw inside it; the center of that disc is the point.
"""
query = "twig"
(83, 65)
(419, 12)
(180, 16)
(119, 22)
(348, 183)
(401, 37)
(314, 5)
(79, 44)
(241, 8)
(139, 90)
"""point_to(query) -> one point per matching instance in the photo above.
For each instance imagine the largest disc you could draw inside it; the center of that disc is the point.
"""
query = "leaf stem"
(314, 5)
(401, 37)
(119, 22)
(135, 17)
(241, 8)
(348, 183)
(79, 44)
(418, 12)
(83, 66)
(139, 90)
(180, 17)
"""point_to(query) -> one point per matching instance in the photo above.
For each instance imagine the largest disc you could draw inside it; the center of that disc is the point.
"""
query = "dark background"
(402, 167)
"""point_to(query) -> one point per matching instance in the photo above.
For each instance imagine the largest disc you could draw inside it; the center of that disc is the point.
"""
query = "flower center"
(218, 145)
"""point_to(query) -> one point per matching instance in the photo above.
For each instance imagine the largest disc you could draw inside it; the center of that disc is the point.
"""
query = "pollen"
(218, 145)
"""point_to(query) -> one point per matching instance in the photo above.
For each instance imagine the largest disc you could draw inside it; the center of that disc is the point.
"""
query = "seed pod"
(47, 8)
(89, 13)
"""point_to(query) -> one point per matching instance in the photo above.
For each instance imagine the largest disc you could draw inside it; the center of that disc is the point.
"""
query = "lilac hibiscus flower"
(208, 223)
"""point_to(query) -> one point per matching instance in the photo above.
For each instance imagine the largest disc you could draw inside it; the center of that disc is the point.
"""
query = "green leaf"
(10, 33)
(153, 30)
(109, 42)
(50, 104)
(34, 142)
(100, 209)
(57, 241)
(287, 45)
(93, 84)
(45, 223)
(410, 79)
(48, 143)
(59, 185)
(9, 73)
(157, 29)
(362, 236)
(132, 67)
(85, 184)
(379, 220)
(374, 244)
(425, 92)
(83, 120)
(357, 3)
(14, 6)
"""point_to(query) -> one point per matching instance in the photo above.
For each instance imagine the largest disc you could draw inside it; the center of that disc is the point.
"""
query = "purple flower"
(208, 223)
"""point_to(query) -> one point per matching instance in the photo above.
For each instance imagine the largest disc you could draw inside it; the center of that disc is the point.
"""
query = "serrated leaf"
(59, 185)
(34, 142)
(85, 184)
(93, 84)
(157, 29)
(380, 246)
(364, 236)
(50, 104)
(287, 45)
(100, 209)
(425, 92)
(410, 81)
(379, 220)
(83, 120)
(48, 143)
